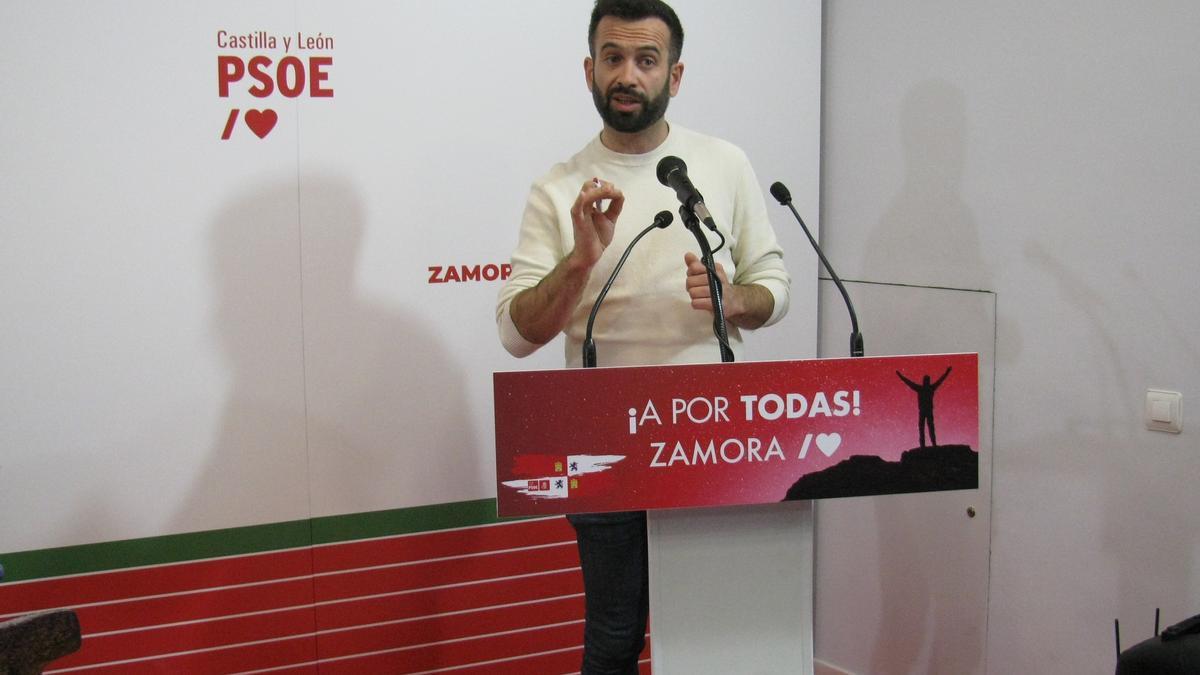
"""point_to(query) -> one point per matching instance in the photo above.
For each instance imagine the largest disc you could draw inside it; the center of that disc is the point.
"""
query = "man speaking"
(579, 219)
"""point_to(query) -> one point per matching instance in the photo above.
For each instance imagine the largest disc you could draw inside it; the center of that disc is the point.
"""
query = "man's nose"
(627, 74)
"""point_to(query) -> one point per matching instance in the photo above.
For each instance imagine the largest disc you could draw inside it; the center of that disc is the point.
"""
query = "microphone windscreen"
(780, 192)
(668, 165)
(663, 219)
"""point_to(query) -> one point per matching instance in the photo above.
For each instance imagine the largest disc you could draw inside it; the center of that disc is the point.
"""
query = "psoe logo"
(264, 75)
(448, 274)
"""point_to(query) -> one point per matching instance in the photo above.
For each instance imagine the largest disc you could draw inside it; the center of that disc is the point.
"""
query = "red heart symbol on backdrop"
(261, 122)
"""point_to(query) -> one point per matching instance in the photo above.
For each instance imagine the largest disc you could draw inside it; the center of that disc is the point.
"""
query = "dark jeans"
(616, 587)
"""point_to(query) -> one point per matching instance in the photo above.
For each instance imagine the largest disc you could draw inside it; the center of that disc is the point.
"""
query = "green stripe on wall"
(171, 548)
(333, 529)
(176, 548)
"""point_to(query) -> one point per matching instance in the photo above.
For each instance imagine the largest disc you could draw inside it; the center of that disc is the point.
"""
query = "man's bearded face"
(646, 114)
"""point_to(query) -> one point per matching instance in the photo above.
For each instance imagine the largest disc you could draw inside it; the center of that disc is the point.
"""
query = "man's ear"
(676, 77)
(588, 66)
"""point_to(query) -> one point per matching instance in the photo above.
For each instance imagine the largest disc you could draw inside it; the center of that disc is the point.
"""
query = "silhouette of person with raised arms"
(925, 403)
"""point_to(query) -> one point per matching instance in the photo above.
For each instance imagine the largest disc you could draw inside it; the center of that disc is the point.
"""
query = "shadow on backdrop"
(338, 402)
(927, 236)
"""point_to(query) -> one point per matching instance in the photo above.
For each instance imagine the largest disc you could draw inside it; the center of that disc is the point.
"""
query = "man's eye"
(648, 62)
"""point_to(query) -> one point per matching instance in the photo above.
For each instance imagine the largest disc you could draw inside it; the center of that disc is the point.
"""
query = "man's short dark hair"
(634, 10)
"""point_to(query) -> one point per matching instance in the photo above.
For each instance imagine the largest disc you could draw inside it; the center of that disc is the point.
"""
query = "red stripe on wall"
(250, 656)
(454, 597)
(162, 640)
(24, 597)
(442, 572)
(436, 629)
(440, 600)
(306, 669)
(563, 661)
(29, 596)
(464, 652)
(129, 614)
(566, 661)
(440, 544)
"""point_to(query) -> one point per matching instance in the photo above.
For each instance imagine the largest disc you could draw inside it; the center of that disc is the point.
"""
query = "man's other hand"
(747, 306)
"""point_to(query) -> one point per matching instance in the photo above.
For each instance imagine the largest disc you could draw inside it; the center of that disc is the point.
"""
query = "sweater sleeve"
(756, 252)
(539, 248)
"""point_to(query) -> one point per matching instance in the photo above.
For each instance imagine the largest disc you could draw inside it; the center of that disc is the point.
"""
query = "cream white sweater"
(647, 318)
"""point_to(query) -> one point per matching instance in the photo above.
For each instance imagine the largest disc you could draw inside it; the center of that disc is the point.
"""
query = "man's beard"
(651, 111)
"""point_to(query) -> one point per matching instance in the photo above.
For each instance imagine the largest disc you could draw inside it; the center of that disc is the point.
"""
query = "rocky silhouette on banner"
(921, 469)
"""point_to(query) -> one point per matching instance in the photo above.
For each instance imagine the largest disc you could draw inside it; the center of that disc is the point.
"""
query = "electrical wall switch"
(1164, 411)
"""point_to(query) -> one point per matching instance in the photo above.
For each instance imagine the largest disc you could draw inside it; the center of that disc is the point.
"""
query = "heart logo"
(829, 443)
(261, 122)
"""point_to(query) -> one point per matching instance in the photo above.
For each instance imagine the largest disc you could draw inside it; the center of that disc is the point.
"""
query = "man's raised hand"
(593, 226)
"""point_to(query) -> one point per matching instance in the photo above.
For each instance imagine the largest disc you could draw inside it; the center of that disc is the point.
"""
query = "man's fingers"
(697, 281)
(595, 190)
(582, 206)
(589, 204)
(615, 204)
(696, 268)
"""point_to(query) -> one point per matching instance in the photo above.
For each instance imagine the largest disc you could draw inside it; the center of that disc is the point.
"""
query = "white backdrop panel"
(150, 357)
(201, 333)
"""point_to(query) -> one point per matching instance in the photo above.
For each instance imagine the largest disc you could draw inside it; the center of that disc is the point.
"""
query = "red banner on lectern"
(615, 439)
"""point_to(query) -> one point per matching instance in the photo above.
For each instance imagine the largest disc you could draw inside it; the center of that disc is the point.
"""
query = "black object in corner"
(1175, 652)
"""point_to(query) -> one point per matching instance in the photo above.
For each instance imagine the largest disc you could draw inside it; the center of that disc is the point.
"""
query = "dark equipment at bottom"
(1175, 652)
(28, 643)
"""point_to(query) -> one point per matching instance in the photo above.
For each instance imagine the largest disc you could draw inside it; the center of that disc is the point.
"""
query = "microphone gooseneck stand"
(661, 220)
(672, 172)
(780, 192)
(692, 223)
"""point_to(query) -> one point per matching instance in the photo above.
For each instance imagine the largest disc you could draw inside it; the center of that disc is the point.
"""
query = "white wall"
(1049, 152)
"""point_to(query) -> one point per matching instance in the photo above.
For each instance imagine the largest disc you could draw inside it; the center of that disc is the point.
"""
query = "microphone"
(661, 220)
(672, 172)
(780, 192)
